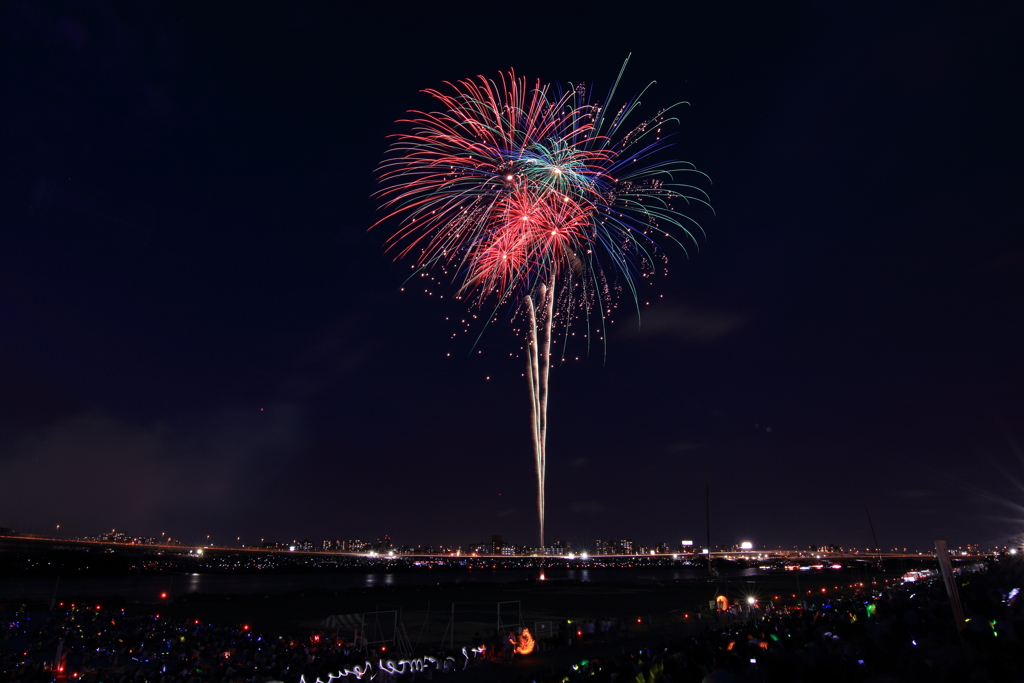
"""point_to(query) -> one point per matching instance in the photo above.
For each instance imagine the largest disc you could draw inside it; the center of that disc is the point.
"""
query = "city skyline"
(201, 335)
(497, 546)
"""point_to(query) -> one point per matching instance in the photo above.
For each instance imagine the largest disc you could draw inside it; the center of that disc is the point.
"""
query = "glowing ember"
(525, 645)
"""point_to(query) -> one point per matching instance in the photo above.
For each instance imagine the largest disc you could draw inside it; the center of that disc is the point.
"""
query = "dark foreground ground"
(830, 625)
(427, 611)
(450, 616)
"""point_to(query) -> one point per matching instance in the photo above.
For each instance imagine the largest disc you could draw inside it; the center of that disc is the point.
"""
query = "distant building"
(480, 548)
(119, 537)
(557, 548)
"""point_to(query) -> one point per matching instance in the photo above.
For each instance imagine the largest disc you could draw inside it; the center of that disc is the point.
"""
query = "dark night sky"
(199, 336)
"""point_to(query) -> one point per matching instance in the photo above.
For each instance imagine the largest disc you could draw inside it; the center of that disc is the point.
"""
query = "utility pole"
(707, 512)
(878, 548)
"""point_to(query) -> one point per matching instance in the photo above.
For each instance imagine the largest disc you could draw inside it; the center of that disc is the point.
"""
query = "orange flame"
(525, 645)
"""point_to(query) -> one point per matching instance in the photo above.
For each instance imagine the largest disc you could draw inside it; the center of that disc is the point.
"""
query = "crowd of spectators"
(904, 634)
(88, 644)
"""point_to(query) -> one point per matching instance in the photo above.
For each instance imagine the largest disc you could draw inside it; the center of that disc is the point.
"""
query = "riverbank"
(427, 609)
(438, 620)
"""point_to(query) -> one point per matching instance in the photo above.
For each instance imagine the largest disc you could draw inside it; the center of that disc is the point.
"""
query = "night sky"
(198, 334)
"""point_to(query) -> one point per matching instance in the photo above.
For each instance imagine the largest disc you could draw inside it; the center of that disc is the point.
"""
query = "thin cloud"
(912, 493)
(686, 322)
(102, 472)
(586, 507)
(334, 354)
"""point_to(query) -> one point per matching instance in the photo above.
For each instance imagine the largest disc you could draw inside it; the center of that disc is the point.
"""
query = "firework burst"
(536, 201)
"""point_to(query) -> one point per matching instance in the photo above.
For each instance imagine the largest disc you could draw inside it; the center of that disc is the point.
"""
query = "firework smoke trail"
(539, 200)
(538, 367)
(533, 229)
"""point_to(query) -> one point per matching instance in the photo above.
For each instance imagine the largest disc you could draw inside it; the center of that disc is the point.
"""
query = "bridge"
(21, 542)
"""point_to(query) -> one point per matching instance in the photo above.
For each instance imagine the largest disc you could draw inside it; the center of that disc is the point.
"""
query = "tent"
(344, 621)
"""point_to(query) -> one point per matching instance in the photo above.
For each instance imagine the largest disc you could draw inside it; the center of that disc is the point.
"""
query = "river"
(149, 588)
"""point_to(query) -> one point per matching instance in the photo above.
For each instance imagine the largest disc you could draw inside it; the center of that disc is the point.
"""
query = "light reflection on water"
(149, 588)
(375, 580)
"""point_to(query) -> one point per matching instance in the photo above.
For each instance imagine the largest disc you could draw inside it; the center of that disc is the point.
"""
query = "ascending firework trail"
(543, 204)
